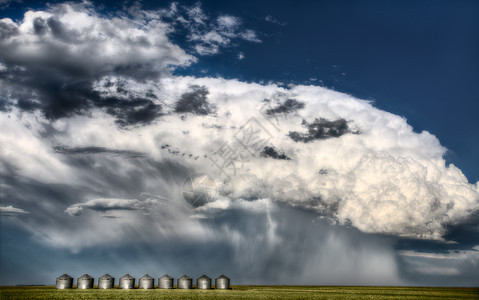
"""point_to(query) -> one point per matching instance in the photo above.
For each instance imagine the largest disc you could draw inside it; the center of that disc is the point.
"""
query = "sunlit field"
(245, 292)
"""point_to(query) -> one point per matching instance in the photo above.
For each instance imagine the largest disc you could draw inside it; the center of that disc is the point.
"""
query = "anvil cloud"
(379, 176)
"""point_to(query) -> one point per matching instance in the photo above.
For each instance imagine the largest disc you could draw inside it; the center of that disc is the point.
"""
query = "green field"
(246, 292)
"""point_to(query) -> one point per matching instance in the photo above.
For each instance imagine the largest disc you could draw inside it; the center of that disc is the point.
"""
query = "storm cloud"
(97, 150)
(52, 60)
(360, 180)
(320, 129)
(272, 152)
(194, 101)
(53, 57)
(99, 136)
(288, 106)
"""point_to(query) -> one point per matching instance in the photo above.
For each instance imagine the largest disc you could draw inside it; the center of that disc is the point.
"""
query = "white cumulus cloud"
(11, 211)
(108, 204)
(76, 38)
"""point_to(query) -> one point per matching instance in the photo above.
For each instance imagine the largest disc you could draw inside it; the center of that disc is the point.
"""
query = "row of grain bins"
(145, 282)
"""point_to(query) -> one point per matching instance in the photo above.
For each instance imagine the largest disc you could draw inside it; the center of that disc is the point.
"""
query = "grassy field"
(246, 292)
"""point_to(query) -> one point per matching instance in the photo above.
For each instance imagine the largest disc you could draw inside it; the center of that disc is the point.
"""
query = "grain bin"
(127, 282)
(146, 282)
(203, 282)
(185, 282)
(165, 282)
(222, 282)
(64, 282)
(85, 282)
(106, 282)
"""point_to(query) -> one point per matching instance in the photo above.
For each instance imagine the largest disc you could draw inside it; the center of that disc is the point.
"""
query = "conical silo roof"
(204, 277)
(166, 276)
(127, 276)
(184, 277)
(65, 276)
(85, 276)
(146, 276)
(222, 277)
(106, 276)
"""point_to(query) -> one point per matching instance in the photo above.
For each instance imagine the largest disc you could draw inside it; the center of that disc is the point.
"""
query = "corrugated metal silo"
(222, 282)
(146, 282)
(64, 282)
(185, 282)
(85, 282)
(106, 282)
(203, 282)
(165, 282)
(127, 282)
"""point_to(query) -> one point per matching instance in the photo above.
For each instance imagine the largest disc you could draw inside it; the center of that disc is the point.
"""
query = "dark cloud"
(62, 97)
(120, 176)
(288, 106)
(271, 245)
(131, 112)
(58, 30)
(446, 263)
(56, 66)
(97, 150)
(40, 26)
(272, 152)
(54, 93)
(45, 202)
(321, 129)
(59, 96)
(272, 241)
(110, 178)
(464, 232)
(103, 208)
(7, 30)
(195, 101)
(5, 106)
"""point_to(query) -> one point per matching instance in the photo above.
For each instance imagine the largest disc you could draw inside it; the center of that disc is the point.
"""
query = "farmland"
(245, 292)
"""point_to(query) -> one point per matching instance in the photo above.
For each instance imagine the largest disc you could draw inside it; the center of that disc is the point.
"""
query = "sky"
(280, 142)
